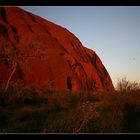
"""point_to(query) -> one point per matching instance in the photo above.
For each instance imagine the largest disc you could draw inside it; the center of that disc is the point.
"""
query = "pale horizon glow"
(113, 32)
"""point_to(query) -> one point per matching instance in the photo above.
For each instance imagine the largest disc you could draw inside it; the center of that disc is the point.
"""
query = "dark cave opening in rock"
(69, 83)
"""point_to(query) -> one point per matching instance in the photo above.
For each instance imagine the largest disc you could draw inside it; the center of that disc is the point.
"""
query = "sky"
(113, 32)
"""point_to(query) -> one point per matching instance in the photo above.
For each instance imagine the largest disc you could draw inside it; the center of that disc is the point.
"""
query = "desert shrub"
(3, 116)
(25, 113)
(58, 122)
(125, 85)
(2, 99)
(110, 108)
(23, 96)
(131, 119)
(81, 97)
(130, 92)
(27, 119)
(132, 112)
(18, 95)
(119, 112)
(84, 113)
(14, 90)
(58, 100)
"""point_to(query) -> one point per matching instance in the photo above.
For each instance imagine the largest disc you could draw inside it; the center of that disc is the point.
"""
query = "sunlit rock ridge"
(45, 55)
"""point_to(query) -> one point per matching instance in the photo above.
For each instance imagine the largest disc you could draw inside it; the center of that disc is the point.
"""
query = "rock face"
(46, 55)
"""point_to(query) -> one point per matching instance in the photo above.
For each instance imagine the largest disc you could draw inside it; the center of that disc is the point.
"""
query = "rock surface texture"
(46, 55)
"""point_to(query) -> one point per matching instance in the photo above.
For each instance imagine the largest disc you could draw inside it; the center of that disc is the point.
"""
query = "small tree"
(9, 56)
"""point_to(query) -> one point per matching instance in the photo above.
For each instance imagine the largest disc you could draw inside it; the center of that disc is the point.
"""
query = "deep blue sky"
(113, 32)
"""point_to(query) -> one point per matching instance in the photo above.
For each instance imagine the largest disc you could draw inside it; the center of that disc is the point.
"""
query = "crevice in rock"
(30, 28)
(32, 18)
(15, 33)
(4, 31)
(69, 83)
(3, 14)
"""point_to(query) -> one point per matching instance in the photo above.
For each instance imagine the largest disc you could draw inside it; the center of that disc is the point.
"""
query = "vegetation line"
(26, 110)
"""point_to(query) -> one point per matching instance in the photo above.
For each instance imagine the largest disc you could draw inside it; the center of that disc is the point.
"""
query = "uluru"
(46, 55)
